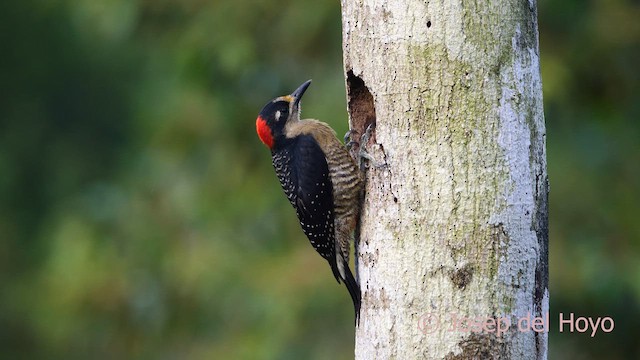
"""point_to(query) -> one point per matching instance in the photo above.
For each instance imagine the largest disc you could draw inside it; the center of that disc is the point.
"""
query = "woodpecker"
(320, 179)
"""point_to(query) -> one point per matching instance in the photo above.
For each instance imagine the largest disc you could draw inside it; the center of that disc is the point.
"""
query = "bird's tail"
(354, 291)
(342, 272)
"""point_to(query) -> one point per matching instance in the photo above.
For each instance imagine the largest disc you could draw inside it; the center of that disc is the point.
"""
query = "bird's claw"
(363, 154)
(347, 136)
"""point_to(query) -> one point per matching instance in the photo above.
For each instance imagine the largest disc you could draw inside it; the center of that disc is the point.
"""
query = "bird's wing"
(304, 175)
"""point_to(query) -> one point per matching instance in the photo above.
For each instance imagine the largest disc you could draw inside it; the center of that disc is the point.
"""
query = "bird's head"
(275, 115)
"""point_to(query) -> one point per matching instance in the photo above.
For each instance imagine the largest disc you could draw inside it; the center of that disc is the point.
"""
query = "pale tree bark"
(454, 224)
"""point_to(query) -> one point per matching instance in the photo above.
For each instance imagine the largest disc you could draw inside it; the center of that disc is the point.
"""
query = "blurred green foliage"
(590, 52)
(139, 215)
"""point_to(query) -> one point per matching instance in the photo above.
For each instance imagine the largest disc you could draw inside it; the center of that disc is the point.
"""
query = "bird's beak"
(297, 95)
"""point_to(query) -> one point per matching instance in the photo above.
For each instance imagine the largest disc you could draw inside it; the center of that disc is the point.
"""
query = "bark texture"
(454, 225)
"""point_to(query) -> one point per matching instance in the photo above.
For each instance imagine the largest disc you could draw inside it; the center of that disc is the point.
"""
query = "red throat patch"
(264, 132)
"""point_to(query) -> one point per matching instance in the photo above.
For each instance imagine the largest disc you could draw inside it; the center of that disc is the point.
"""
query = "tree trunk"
(453, 240)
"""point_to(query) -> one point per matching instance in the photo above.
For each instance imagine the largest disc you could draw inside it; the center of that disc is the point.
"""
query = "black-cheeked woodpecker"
(320, 179)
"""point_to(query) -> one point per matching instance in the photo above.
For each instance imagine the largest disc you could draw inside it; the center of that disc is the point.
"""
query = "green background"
(140, 216)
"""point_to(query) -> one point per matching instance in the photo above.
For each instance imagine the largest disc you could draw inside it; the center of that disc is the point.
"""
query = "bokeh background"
(140, 217)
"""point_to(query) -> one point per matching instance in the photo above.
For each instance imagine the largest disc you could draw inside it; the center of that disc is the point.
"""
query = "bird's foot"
(363, 154)
(348, 139)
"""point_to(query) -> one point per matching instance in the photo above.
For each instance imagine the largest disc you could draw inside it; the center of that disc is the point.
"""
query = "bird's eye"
(282, 114)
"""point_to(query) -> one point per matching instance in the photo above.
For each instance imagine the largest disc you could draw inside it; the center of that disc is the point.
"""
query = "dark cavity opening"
(362, 111)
